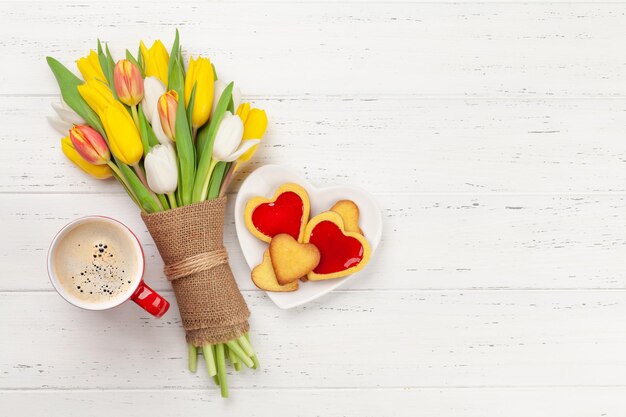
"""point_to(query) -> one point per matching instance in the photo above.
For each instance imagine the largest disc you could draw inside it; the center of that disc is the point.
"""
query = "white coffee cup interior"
(104, 305)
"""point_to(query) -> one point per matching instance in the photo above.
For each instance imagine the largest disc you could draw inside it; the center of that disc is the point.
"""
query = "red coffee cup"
(134, 288)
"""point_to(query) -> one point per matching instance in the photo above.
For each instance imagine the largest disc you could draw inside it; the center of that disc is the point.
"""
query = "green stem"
(133, 110)
(236, 349)
(144, 181)
(228, 178)
(122, 178)
(245, 344)
(119, 174)
(141, 175)
(163, 201)
(254, 357)
(193, 357)
(209, 358)
(172, 198)
(232, 357)
(207, 180)
(221, 369)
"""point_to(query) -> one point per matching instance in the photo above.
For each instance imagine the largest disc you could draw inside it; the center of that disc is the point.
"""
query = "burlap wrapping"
(190, 239)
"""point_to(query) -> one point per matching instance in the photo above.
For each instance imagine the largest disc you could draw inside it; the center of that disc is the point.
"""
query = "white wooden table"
(493, 136)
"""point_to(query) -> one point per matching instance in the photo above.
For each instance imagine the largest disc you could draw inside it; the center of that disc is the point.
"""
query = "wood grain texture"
(392, 339)
(389, 145)
(431, 49)
(449, 402)
(429, 242)
(492, 135)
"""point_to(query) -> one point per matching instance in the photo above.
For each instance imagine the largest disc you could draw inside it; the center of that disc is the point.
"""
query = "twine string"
(196, 263)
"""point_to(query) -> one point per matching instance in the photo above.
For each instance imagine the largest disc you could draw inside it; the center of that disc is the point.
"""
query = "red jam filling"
(338, 252)
(281, 216)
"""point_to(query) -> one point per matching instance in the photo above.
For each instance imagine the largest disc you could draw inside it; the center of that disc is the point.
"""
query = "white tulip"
(162, 170)
(153, 88)
(66, 119)
(157, 128)
(228, 145)
(218, 88)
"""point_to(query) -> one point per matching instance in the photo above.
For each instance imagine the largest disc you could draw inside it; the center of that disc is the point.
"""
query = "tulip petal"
(124, 139)
(243, 148)
(59, 125)
(218, 88)
(162, 169)
(153, 89)
(158, 129)
(98, 171)
(67, 114)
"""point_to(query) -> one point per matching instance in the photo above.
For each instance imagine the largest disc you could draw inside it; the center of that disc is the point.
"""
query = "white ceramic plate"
(264, 182)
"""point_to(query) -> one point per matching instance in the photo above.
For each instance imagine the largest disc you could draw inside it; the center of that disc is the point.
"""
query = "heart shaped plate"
(263, 182)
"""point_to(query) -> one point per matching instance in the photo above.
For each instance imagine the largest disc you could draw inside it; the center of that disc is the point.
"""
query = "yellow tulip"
(200, 74)
(124, 139)
(243, 111)
(156, 60)
(254, 127)
(90, 68)
(97, 95)
(98, 171)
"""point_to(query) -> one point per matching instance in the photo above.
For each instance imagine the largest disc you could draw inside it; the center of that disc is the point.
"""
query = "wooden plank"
(429, 242)
(431, 49)
(387, 145)
(451, 402)
(395, 339)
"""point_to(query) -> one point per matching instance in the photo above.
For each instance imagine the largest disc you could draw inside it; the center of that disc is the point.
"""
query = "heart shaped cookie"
(263, 277)
(286, 212)
(292, 260)
(264, 181)
(341, 252)
(349, 212)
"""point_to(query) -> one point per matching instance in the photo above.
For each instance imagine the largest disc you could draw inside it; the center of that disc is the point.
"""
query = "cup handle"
(150, 300)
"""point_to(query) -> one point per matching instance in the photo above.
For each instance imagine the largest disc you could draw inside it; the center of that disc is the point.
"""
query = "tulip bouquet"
(173, 136)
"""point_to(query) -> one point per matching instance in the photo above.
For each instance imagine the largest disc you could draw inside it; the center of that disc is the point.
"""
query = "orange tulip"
(90, 145)
(128, 82)
(167, 105)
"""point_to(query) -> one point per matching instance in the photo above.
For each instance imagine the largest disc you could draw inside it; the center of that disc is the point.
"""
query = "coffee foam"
(97, 262)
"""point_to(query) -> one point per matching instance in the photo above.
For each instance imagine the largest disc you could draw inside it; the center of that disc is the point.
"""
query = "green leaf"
(231, 106)
(176, 80)
(184, 143)
(128, 191)
(148, 138)
(145, 198)
(205, 146)
(99, 47)
(140, 60)
(214, 73)
(110, 65)
(216, 179)
(181, 60)
(211, 128)
(68, 83)
(192, 99)
(173, 58)
(132, 59)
